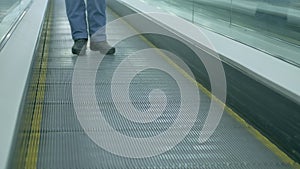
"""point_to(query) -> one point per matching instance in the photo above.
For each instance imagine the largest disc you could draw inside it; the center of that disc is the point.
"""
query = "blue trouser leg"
(96, 19)
(77, 18)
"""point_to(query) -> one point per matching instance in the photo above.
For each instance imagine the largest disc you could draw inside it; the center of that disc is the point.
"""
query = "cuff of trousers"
(99, 36)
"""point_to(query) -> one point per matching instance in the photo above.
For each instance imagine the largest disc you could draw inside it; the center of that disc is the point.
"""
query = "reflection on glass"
(6, 6)
(272, 26)
(275, 18)
(181, 8)
(213, 14)
(10, 11)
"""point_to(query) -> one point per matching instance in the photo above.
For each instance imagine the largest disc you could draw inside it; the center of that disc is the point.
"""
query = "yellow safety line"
(265, 141)
(20, 160)
(34, 138)
(23, 135)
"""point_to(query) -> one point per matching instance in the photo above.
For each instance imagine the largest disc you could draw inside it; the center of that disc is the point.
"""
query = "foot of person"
(79, 47)
(103, 47)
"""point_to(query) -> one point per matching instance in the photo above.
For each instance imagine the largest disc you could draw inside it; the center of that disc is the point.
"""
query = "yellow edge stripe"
(34, 138)
(283, 156)
(20, 159)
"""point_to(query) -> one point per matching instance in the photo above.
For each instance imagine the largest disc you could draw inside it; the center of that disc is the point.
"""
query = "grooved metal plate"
(64, 143)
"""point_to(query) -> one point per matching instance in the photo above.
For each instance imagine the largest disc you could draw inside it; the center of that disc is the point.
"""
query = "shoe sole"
(80, 52)
(109, 52)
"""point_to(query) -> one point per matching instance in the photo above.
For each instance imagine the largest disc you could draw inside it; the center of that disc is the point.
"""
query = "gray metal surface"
(64, 144)
(15, 65)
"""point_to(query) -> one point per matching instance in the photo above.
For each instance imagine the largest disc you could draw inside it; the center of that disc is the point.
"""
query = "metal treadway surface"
(62, 143)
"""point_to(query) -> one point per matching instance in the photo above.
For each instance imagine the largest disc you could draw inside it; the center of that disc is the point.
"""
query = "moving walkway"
(66, 91)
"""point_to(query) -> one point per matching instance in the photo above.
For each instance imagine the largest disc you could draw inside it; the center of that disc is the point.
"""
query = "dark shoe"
(79, 47)
(103, 47)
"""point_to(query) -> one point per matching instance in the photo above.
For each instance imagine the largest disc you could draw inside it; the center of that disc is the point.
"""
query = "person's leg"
(97, 19)
(77, 18)
(97, 23)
